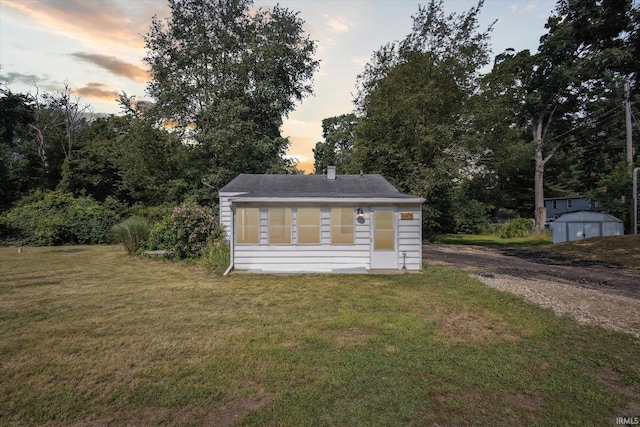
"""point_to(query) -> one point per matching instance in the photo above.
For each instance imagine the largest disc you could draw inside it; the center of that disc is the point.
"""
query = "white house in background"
(320, 223)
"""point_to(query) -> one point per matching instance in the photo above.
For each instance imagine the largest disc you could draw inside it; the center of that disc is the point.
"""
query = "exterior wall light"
(360, 214)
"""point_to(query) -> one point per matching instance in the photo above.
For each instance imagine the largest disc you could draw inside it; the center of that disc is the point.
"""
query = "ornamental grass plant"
(131, 232)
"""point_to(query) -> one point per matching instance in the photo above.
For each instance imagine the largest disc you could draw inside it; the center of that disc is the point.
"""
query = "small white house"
(583, 225)
(320, 223)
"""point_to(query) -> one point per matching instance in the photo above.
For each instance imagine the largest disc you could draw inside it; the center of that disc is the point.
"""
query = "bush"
(186, 231)
(217, 255)
(131, 233)
(47, 218)
(469, 216)
(518, 227)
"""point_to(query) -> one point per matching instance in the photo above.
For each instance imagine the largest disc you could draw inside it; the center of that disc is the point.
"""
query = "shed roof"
(577, 196)
(587, 216)
(314, 186)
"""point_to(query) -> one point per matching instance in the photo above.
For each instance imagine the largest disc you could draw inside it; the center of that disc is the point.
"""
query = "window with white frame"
(342, 228)
(247, 225)
(280, 226)
(308, 220)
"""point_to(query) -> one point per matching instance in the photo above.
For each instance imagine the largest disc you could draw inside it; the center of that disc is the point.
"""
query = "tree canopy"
(229, 74)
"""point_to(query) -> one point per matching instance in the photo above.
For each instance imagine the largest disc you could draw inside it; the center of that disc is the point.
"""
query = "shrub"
(518, 227)
(131, 233)
(47, 218)
(217, 255)
(186, 231)
(469, 216)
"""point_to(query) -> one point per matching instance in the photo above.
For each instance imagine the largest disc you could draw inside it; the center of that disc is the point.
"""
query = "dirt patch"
(234, 412)
(473, 329)
(615, 383)
(591, 294)
(535, 264)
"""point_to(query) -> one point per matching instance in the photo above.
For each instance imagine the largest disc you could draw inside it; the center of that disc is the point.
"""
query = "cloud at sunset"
(115, 66)
(97, 91)
(19, 77)
(107, 21)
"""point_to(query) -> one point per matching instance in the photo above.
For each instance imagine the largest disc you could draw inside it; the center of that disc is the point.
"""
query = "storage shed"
(583, 225)
(320, 223)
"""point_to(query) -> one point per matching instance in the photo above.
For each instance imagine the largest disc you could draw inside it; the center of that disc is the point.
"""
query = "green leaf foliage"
(131, 232)
(226, 74)
(53, 218)
(186, 231)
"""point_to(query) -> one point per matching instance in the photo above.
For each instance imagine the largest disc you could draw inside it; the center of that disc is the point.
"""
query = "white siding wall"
(324, 257)
(410, 238)
(225, 212)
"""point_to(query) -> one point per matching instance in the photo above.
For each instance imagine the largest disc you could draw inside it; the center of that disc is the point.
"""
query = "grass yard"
(89, 335)
(493, 240)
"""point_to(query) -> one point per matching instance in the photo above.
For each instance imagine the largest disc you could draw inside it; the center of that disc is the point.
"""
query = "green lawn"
(91, 336)
(493, 240)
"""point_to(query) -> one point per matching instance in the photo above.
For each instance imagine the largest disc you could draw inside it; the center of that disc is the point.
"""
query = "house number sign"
(406, 215)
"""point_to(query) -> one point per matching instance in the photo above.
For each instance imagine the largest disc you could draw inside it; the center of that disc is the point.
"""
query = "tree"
(16, 114)
(414, 105)
(578, 60)
(48, 118)
(500, 129)
(131, 160)
(339, 136)
(228, 75)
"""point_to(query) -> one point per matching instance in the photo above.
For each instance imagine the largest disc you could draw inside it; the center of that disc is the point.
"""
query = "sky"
(97, 47)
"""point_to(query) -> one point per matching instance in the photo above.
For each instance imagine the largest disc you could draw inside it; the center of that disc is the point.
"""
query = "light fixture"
(360, 214)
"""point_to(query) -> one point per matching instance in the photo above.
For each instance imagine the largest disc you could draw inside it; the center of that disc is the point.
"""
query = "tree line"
(224, 75)
(538, 124)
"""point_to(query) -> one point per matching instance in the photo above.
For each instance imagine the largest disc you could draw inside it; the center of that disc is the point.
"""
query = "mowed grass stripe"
(122, 340)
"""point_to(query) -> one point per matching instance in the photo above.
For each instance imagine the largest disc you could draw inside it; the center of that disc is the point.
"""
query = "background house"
(558, 206)
(320, 223)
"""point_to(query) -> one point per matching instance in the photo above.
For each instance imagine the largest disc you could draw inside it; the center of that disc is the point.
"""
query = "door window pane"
(383, 231)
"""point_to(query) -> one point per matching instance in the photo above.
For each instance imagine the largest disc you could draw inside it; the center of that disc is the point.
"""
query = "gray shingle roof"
(353, 186)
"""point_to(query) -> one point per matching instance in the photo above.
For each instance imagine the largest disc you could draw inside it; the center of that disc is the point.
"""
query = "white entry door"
(384, 248)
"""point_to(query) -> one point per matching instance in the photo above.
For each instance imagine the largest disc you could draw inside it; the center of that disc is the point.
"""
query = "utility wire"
(578, 126)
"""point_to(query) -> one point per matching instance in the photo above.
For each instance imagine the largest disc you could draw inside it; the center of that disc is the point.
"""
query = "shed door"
(583, 230)
(384, 249)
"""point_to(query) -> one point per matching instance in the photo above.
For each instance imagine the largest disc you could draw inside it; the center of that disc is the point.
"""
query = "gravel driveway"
(592, 294)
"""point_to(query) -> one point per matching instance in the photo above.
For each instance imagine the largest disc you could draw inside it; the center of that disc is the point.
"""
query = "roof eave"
(412, 200)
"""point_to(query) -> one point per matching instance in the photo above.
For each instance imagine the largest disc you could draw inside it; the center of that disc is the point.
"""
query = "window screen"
(342, 226)
(247, 225)
(308, 226)
(279, 226)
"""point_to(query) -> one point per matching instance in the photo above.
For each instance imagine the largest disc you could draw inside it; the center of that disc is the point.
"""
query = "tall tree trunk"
(538, 179)
(539, 132)
(538, 182)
